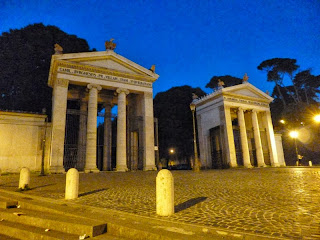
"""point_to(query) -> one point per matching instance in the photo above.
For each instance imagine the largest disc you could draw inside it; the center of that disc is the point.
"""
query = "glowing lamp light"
(317, 118)
(282, 121)
(293, 134)
(171, 150)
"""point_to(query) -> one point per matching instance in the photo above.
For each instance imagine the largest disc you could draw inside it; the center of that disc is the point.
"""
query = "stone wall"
(21, 138)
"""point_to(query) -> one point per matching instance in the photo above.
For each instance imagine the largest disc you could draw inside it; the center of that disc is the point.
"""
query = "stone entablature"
(96, 65)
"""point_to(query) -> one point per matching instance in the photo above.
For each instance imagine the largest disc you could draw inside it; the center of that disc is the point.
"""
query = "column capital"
(120, 90)
(255, 111)
(61, 82)
(240, 109)
(90, 86)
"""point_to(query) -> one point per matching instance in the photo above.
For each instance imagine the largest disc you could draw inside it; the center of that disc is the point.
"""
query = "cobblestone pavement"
(282, 202)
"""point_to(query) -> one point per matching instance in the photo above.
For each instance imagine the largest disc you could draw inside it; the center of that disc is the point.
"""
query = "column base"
(248, 166)
(91, 170)
(121, 169)
(233, 165)
(262, 165)
(150, 168)
(57, 169)
(275, 165)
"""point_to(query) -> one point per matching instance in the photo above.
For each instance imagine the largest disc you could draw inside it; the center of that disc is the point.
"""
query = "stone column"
(228, 132)
(257, 139)
(91, 145)
(59, 108)
(271, 140)
(107, 138)
(82, 134)
(148, 133)
(244, 139)
(121, 131)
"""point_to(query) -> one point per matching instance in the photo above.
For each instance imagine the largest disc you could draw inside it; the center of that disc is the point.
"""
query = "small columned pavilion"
(235, 128)
(107, 79)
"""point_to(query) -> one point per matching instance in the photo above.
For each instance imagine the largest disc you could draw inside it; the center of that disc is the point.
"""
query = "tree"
(276, 69)
(25, 57)
(308, 85)
(172, 108)
(227, 79)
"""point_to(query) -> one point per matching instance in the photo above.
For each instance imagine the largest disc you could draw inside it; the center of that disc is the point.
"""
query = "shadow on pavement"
(189, 203)
(91, 192)
(42, 186)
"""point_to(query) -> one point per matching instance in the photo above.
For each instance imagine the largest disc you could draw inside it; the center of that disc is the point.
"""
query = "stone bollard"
(310, 163)
(164, 193)
(72, 184)
(24, 178)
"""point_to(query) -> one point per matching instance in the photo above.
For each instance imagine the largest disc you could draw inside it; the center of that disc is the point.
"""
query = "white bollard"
(164, 193)
(24, 178)
(72, 184)
(310, 163)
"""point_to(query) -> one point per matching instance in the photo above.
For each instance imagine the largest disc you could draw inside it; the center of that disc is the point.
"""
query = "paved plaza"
(279, 202)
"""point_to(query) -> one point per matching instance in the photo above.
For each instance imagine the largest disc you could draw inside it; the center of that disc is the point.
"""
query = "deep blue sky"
(188, 41)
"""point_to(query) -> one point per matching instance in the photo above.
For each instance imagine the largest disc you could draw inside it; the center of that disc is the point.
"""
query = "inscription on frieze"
(232, 99)
(103, 76)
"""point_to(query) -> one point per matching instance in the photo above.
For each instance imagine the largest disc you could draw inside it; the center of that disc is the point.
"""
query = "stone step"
(7, 203)
(53, 221)
(4, 237)
(13, 230)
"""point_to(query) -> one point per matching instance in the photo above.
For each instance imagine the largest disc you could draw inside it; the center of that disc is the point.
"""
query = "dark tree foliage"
(276, 69)
(228, 81)
(172, 108)
(25, 56)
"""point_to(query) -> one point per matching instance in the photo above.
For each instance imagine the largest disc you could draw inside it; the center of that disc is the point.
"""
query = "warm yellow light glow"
(171, 150)
(293, 134)
(282, 121)
(317, 118)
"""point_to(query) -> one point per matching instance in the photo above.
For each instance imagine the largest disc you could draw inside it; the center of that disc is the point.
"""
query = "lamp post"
(196, 167)
(294, 135)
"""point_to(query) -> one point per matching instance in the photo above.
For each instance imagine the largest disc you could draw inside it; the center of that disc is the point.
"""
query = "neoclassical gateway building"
(235, 128)
(83, 81)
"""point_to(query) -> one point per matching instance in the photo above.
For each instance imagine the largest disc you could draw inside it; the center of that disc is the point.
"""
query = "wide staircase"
(25, 220)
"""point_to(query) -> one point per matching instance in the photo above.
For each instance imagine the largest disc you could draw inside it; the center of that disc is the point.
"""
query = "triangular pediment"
(112, 65)
(247, 90)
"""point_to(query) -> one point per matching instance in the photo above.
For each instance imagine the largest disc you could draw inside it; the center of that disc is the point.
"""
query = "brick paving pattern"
(282, 202)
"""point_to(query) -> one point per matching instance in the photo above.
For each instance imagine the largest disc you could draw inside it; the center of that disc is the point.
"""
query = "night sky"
(188, 41)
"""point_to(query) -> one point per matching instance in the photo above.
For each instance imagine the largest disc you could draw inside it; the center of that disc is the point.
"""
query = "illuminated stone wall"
(21, 138)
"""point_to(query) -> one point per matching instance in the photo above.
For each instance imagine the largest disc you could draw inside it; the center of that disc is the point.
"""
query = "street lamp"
(316, 118)
(282, 121)
(196, 167)
(294, 135)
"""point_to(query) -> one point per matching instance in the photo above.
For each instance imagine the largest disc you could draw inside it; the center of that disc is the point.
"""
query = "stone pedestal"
(164, 193)
(121, 131)
(72, 184)
(91, 145)
(59, 102)
(24, 181)
(244, 139)
(257, 139)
